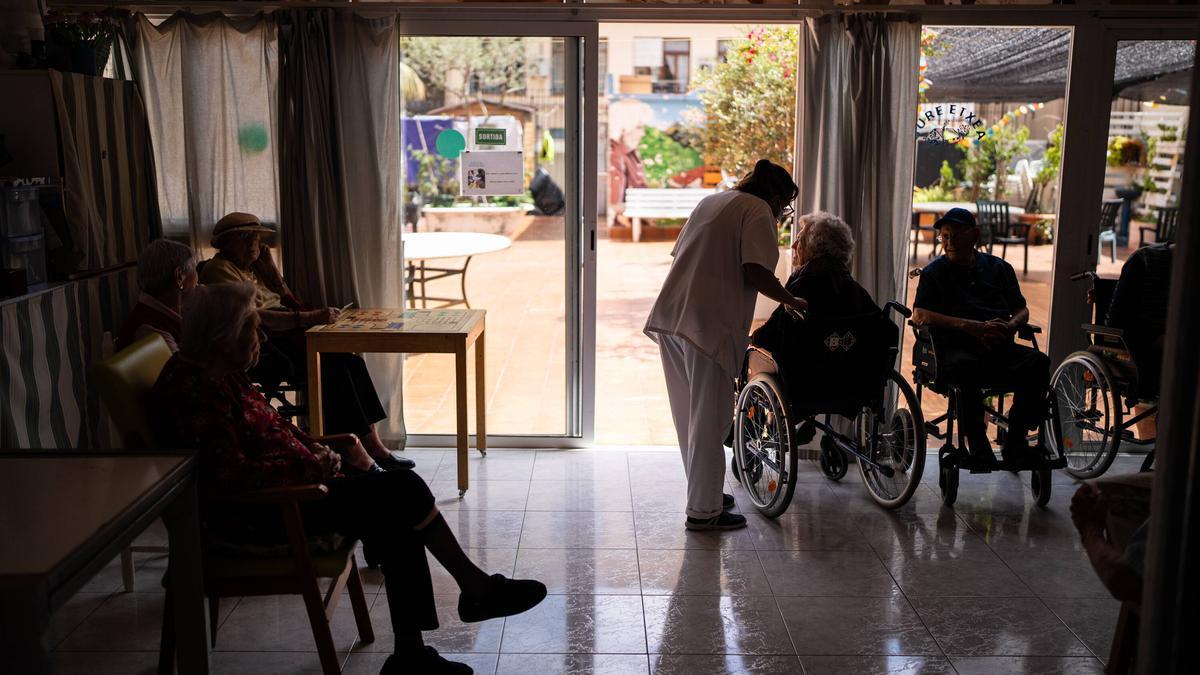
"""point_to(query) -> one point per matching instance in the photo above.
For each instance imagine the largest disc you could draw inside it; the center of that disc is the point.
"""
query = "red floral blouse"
(244, 444)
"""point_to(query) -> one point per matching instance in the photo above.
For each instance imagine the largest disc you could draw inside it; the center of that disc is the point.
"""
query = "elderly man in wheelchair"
(838, 361)
(968, 309)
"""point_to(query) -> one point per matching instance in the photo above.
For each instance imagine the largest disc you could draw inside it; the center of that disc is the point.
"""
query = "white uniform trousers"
(701, 397)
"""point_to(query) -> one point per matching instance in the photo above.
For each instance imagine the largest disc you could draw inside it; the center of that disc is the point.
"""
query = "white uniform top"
(706, 299)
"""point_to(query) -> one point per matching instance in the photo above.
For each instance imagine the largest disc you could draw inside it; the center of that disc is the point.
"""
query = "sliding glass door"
(497, 217)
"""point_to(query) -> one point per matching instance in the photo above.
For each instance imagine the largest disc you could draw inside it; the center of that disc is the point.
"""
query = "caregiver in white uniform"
(724, 257)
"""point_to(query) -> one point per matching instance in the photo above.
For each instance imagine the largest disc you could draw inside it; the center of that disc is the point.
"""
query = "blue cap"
(956, 217)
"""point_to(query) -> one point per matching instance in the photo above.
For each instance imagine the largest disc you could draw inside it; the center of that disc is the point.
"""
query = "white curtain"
(209, 84)
(855, 125)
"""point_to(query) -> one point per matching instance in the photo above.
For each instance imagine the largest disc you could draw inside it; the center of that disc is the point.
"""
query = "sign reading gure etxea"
(949, 123)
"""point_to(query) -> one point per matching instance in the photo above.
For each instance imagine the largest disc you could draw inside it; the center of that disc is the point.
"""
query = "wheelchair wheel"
(832, 460)
(1040, 483)
(1090, 412)
(947, 476)
(763, 446)
(896, 443)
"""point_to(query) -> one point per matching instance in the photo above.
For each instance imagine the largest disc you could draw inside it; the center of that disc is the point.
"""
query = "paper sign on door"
(492, 174)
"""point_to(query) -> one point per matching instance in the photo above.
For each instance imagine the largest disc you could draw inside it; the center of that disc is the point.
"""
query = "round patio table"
(420, 247)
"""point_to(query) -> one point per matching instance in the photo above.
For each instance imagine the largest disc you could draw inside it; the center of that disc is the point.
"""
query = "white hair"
(158, 263)
(823, 234)
(213, 317)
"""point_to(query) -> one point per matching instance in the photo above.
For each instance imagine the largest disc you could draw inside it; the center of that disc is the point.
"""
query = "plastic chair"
(1164, 230)
(1109, 211)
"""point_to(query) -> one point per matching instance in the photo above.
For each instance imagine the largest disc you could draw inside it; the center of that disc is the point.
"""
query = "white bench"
(661, 203)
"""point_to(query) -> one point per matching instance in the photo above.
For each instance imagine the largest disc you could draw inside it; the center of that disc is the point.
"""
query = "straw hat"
(237, 223)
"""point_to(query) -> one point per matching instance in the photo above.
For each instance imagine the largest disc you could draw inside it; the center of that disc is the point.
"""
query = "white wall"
(703, 37)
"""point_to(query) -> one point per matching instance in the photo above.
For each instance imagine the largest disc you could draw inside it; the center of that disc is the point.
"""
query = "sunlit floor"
(836, 585)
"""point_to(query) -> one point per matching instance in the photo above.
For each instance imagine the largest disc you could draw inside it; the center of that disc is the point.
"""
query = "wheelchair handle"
(1084, 275)
(900, 309)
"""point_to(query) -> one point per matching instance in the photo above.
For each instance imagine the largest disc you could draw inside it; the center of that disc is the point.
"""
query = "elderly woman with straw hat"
(351, 404)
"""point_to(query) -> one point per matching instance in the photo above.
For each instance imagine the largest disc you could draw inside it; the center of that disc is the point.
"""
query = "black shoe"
(395, 460)
(725, 521)
(727, 501)
(503, 597)
(426, 662)
(1020, 455)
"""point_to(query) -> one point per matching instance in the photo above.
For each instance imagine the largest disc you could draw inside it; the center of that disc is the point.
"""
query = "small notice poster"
(492, 174)
(406, 320)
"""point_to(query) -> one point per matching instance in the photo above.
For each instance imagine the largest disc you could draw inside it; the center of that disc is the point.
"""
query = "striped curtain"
(50, 341)
(110, 197)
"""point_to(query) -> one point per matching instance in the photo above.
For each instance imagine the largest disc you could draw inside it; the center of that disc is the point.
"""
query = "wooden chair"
(1109, 211)
(1164, 229)
(125, 381)
(995, 220)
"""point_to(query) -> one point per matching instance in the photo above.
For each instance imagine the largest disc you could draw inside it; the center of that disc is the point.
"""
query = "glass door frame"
(581, 109)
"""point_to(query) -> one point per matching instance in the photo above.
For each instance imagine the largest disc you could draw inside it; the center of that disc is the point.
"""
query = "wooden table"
(411, 331)
(420, 247)
(65, 514)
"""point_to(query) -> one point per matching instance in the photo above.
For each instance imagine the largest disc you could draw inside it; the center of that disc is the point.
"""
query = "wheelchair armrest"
(1095, 329)
(280, 495)
(337, 440)
(1027, 331)
(900, 309)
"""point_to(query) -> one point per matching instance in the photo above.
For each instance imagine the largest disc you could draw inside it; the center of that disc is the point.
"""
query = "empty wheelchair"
(951, 456)
(1097, 388)
(834, 367)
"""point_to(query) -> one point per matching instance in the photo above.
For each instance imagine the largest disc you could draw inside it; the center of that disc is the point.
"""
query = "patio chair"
(996, 223)
(917, 229)
(1109, 210)
(1164, 230)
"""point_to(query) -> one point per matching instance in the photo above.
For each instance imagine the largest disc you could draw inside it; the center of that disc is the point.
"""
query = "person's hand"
(797, 308)
(266, 270)
(330, 461)
(1091, 296)
(990, 333)
(321, 317)
(356, 456)
(1089, 508)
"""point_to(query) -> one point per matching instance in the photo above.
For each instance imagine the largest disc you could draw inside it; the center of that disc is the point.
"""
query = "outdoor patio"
(522, 289)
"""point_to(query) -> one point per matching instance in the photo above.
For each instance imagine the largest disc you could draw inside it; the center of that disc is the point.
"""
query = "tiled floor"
(836, 585)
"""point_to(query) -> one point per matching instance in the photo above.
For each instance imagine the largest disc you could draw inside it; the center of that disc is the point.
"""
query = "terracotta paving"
(523, 290)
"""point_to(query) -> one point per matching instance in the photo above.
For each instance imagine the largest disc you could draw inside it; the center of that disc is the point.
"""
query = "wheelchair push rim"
(762, 448)
(895, 440)
(1090, 415)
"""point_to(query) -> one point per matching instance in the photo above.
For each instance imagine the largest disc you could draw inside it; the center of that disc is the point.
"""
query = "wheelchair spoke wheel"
(763, 446)
(1090, 414)
(895, 443)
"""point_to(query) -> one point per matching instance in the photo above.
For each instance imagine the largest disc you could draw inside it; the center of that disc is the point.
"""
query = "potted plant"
(79, 43)
(1126, 153)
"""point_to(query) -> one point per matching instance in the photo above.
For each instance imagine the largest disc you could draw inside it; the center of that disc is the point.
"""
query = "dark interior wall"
(929, 161)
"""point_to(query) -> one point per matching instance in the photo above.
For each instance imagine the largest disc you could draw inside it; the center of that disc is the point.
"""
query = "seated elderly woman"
(166, 271)
(821, 256)
(350, 402)
(203, 399)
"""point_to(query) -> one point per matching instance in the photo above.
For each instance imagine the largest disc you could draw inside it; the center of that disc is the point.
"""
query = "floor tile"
(702, 572)
(279, 623)
(659, 495)
(492, 495)
(835, 573)
(696, 624)
(661, 466)
(867, 626)
(369, 663)
(581, 570)
(805, 532)
(731, 664)
(587, 624)
(293, 663)
(490, 560)
(1056, 574)
(1028, 665)
(1048, 530)
(876, 665)
(486, 529)
(452, 635)
(574, 465)
(68, 617)
(577, 495)
(572, 664)
(978, 573)
(1094, 621)
(124, 622)
(499, 464)
(666, 530)
(579, 529)
(919, 534)
(997, 627)
(106, 663)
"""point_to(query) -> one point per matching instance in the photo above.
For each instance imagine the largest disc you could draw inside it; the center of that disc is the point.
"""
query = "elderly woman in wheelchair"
(967, 311)
(799, 374)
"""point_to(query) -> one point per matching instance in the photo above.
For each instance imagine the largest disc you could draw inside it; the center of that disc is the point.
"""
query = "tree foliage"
(991, 155)
(464, 66)
(663, 157)
(750, 101)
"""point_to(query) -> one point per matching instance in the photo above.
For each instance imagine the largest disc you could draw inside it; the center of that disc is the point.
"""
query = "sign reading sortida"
(949, 123)
(490, 136)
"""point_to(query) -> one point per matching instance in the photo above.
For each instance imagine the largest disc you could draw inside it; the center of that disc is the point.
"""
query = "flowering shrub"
(750, 101)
